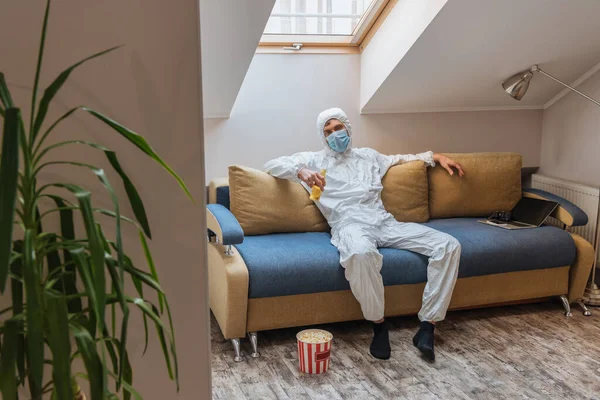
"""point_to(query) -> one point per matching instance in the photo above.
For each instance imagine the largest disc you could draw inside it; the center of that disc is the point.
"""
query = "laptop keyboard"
(516, 223)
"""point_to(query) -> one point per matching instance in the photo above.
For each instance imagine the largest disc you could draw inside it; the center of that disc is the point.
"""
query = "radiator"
(585, 197)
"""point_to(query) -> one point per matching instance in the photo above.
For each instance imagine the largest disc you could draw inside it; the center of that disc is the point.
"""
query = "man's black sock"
(380, 346)
(424, 340)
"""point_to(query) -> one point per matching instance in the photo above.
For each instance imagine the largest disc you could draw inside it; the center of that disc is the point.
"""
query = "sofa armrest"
(579, 272)
(228, 290)
(223, 224)
(567, 212)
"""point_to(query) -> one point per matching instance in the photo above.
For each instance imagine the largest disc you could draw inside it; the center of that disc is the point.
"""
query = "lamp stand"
(516, 87)
(591, 295)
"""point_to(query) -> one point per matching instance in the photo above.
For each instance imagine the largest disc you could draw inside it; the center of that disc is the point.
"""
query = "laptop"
(528, 213)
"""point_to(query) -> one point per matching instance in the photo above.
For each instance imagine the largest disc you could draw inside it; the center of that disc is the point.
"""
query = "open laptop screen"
(533, 211)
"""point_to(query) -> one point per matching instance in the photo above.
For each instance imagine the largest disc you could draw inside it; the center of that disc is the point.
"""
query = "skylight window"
(342, 22)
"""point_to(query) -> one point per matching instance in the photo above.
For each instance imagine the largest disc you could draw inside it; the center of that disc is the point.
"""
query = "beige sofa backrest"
(492, 182)
(411, 192)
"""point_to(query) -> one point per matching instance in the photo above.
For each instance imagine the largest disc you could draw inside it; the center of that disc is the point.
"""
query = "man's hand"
(312, 178)
(448, 164)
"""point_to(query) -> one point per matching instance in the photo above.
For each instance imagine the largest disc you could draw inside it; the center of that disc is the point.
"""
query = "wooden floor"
(517, 352)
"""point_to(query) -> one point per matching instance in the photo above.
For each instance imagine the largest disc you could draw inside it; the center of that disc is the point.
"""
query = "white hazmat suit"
(351, 203)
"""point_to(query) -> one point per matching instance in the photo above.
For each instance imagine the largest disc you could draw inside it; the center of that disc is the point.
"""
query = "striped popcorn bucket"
(314, 348)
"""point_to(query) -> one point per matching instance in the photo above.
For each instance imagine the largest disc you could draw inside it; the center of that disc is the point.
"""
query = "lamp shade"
(516, 86)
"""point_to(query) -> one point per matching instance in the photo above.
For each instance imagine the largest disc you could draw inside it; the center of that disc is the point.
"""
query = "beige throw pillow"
(405, 192)
(264, 204)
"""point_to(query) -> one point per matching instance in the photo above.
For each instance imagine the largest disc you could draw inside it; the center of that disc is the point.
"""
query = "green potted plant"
(65, 285)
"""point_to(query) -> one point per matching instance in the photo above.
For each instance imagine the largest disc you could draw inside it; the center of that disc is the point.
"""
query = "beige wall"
(282, 94)
(153, 86)
(571, 136)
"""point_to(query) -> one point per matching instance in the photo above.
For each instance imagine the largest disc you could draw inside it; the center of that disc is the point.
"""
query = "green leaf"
(113, 317)
(112, 214)
(54, 87)
(8, 377)
(56, 280)
(60, 345)
(132, 194)
(128, 379)
(5, 310)
(116, 281)
(95, 245)
(135, 200)
(118, 288)
(51, 128)
(9, 175)
(111, 350)
(96, 371)
(144, 277)
(163, 334)
(68, 142)
(102, 176)
(160, 330)
(35, 315)
(79, 257)
(40, 228)
(129, 390)
(67, 230)
(123, 348)
(173, 347)
(141, 143)
(140, 290)
(136, 273)
(5, 97)
(16, 290)
(161, 297)
(39, 63)
(54, 263)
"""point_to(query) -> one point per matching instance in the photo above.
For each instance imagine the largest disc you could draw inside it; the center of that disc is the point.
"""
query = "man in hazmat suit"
(351, 203)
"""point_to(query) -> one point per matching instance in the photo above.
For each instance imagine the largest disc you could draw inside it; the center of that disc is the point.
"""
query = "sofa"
(271, 264)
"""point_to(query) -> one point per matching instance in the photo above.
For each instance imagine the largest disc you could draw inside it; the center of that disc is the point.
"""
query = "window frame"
(356, 39)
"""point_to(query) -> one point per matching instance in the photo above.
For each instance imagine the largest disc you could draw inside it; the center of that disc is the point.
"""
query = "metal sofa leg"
(237, 350)
(254, 343)
(566, 305)
(586, 311)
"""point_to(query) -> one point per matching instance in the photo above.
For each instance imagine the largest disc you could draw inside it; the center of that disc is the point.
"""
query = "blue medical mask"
(339, 141)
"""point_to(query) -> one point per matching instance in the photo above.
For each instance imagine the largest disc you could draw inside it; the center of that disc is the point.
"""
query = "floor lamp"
(516, 86)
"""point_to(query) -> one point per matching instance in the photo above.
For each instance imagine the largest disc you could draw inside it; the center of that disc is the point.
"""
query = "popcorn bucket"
(314, 347)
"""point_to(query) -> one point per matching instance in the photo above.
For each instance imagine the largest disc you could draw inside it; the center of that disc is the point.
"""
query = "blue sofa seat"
(302, 263)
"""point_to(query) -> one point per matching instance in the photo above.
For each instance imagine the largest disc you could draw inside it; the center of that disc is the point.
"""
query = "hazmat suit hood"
(333, 113)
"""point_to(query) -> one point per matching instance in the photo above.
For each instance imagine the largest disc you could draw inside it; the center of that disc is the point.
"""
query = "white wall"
(394, 38)
(231, 30)
(571, 136)
(460, 60)
(276, 111)
(282, 94)
(153, 86)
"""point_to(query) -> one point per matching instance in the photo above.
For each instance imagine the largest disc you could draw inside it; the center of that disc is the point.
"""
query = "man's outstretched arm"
(297, 167)
(429, 157)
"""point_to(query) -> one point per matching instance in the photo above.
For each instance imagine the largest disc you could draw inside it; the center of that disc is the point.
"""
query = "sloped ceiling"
(230, 32)
(461, 58)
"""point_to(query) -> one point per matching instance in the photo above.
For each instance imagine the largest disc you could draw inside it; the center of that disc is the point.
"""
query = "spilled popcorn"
(315, 336)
